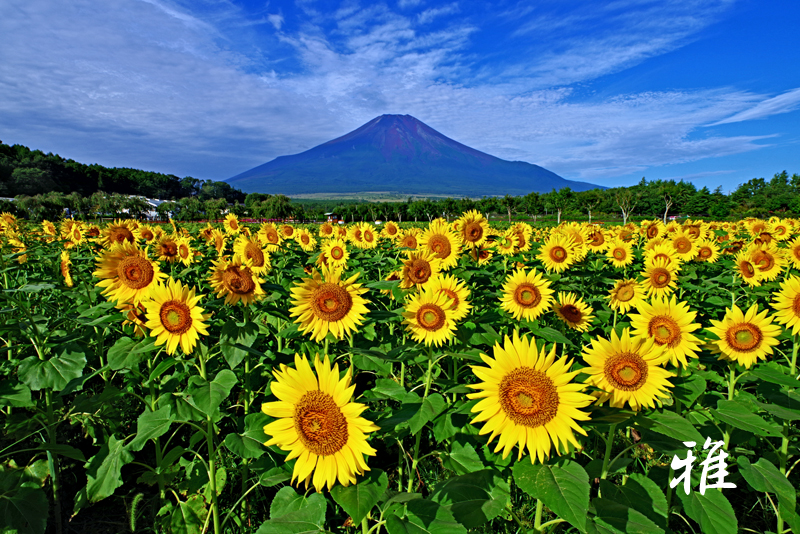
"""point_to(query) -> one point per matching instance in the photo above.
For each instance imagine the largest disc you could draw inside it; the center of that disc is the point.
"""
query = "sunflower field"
(442, 378)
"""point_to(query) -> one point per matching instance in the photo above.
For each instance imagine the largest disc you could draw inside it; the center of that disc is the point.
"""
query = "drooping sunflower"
(474, 229)
(571, 309)
(526, 295)
(528, 399)
(660, 277)
(318, 424)
(325, 303)
(136, 315)
(745, 338)
(126, 274)
(250, 248)
(205, 232)
(627, 370)
(65, 263)
(418, 268)
(557, 253)
(707, 251)
(620, 253)
(231, 224)
(440, 240)
(625, 295)
(427, 318)
(116, 232)
(236, 281)
(335, 251)
(173, 316)
(745, 268)
(787, 303)
(670, 324)
(457, 291)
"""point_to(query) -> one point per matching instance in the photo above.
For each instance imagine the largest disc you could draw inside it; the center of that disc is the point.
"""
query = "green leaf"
(623, 519)
(291, 513)
(249, 444)
(62, 450)
(474, 498)
(103, 472)
(189, 516)
(563, 487)
(738, 415)
(16, 394)
(424, 517)
(232, 335)
(551, 334)
(370, 361)
(431, 406)
(54, 372)
(669, 424)
(443, 428)
(151, 425)
(641, 494)
(463, 459)
(358, 499)
(23, 510)
(764, 476)
(388, 388)
(784, 404)
(207, 396)
(688, 388)
(774, 375)
(712, 511)
(127, 352)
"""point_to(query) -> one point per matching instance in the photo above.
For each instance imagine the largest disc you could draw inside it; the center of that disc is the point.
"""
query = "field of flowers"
(442, 378)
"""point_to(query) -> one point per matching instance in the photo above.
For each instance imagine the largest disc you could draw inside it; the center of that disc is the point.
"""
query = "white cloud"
(783, 103)
(430, 14)
(276, 20)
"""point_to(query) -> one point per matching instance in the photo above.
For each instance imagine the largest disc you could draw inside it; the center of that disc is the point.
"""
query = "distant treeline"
(32, 172)
(47, 186)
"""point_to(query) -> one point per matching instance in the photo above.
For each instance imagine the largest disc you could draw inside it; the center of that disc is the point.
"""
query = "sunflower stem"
(731, 390)
(537, 520)
(247, 402)
(607, 455)
(428, 376)
(212, 474)
(52, 458)
(784, 453)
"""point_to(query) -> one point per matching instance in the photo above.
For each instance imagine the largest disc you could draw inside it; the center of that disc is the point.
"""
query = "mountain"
(398, 154)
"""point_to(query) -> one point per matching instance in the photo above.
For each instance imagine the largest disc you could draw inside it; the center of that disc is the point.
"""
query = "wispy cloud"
(783, 103)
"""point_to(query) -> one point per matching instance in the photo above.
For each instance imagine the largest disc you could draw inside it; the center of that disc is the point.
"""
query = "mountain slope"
(398, 154)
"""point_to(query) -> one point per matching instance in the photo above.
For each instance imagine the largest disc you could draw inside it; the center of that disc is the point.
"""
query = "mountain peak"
(398, 154)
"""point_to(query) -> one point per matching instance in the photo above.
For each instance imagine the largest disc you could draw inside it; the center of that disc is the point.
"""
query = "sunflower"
(745, 338)
(391, 230)
(793, 253)
(670, 324)
(49, 230)
(481, 255)
(136, 315)
(684, 244)
(408, 238)
(627, 370)
(445, 244)
(324, 303)
(653, 229)
(458, 293)
(76, 235)
(145, 233)
(745, 268)
(185, 251)
(418, 268)
(250, 248)
(787, 303)
(557, 253)
(625, 295)
(620, 253)
(325, 229)
(306, 240)
(317, 423)
(527, 399)
(231, 224)
(707, 251)
(236, 281)
(526, 296)
(167, 249)
(427, 317)
(126, 275)
(578, 234)
(206, 233)
(782, 230)
(174, 317)
(571, 309)
(660, 277)
(116, 232)
(474, 229)
(597, 240)
(335, 251)
(65, 263)
(506, 244)
(286, 231)
(270, 236)
(369, 236)
(523, 232)
(219, 241)
(768, 260)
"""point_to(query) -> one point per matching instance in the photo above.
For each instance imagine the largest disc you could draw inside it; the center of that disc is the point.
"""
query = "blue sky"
(604, 92)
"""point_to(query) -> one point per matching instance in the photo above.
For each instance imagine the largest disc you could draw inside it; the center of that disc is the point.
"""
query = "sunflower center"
(571, 313)
(233, 224)
(660, 278)
(452, 296)
(305, 239)
(369, 237)
(430, 317)
(147, 235)
(796, 305)
(169, 249)
(272, 236)
(705, 253)
(528, 397)
(320, 424)
(682, 245)
(527, 295)
(747, 269)
(763, 260)
(176, 317)
(521, 239)
(331, 302)
(558, 254)
(619, 254)
(440, 245)
(119, 234)
(93, 232)
(391, 229)
(473, 232)
(665, 330)
(420, 271)
(652, 231)
(254, 253)
(626, 292)
(596, 239)
(337, 253)
(183, 250)
(238, 280)
(626, 371)
(744, 337)
(410, 241)
(135, 272)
